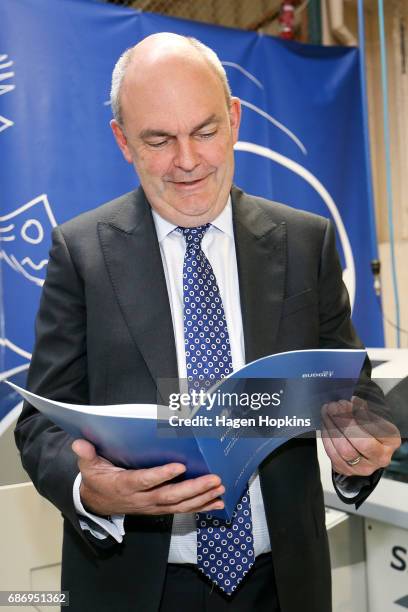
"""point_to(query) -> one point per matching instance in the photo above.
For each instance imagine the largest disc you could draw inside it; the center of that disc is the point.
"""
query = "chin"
(193, 207)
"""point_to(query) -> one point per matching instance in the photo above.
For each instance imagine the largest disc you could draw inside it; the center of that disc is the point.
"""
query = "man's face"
(179, 134)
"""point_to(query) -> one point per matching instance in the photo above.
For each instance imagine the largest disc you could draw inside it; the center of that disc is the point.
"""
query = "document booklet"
(229, 429)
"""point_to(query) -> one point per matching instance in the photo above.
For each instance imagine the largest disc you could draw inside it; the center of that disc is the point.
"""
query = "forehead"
(177, 92)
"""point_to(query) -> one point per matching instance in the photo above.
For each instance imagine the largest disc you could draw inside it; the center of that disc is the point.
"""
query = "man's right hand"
(107, 489)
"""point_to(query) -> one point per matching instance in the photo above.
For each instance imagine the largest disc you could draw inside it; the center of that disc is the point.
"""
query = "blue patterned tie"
(225, 549)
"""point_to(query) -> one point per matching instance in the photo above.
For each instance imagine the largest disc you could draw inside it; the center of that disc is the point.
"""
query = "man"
(110, 325)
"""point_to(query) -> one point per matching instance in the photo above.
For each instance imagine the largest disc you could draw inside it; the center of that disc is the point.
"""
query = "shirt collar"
(223, 222)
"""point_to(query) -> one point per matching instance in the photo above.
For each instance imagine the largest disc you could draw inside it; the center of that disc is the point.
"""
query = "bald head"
(155, 56)
(177, 123)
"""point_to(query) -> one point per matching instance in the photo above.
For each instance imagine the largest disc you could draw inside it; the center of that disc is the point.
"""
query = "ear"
(121, 140)
(235, 117)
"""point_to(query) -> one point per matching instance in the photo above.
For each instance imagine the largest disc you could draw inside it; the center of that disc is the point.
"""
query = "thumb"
(85, 451)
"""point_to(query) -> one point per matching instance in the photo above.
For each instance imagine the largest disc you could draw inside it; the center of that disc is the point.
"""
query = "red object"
(287, 19)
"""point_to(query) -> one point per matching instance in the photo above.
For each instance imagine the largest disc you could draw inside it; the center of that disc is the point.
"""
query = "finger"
(329, 412)
(338, 416)
(351, 439)
(146, 479)
(339, 408)
(365, 467)
(217, 505)
(338, 463)
(355, 420)
(191, 488)
(376, 426)
(348, 438)
(337, 433)
(195, 504)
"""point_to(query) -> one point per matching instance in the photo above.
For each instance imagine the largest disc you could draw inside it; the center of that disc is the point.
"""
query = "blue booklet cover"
(240, 421)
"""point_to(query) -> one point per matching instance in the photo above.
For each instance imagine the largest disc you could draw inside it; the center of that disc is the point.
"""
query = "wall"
(396, 27)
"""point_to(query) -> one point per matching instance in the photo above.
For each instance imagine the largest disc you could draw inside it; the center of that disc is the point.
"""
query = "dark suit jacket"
(105, 335)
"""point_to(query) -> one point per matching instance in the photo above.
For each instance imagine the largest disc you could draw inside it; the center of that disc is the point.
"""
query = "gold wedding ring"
(352, 462)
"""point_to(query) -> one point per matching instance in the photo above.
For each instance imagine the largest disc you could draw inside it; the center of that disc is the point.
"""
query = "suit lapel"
(261, 257)
(132, 256)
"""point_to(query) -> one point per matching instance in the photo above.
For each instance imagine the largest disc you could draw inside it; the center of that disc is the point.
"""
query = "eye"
(205, 135)
(157, 145)
(32, 231)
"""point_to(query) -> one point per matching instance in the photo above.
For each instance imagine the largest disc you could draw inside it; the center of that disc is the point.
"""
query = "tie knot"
(194, 235)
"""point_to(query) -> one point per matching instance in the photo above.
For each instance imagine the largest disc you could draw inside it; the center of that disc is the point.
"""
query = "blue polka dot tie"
(225, 549)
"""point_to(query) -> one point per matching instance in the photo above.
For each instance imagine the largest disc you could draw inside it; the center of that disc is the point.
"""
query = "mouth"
(189, 185)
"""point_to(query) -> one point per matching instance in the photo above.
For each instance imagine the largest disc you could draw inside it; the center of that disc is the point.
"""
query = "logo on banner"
(5, 75)
(22, 234)
(349, 274)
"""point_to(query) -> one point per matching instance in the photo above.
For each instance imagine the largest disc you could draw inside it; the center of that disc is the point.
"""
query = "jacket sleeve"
(337, 331)
(58, 370)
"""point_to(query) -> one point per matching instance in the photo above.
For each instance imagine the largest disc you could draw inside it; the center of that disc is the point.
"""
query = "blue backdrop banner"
(301, 140)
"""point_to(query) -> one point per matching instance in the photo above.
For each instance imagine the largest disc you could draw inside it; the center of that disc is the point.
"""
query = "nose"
(186, 157)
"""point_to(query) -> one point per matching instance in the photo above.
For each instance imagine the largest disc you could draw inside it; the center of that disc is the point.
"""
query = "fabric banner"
(301, 140)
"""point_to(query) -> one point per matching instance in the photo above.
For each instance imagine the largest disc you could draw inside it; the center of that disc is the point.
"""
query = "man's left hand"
(357, 441)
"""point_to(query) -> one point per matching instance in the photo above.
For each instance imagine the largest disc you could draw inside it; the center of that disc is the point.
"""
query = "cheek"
(154, 166)
(217, 156)
(224, 158)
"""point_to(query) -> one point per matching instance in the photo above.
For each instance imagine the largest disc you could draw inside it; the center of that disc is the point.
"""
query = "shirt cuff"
(100, 527)
(350, 486)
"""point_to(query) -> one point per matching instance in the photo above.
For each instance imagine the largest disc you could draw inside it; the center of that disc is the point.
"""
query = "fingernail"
(215, 481)
(179, 469)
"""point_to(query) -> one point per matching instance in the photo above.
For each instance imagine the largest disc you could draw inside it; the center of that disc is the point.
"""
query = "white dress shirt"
(219, 247)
